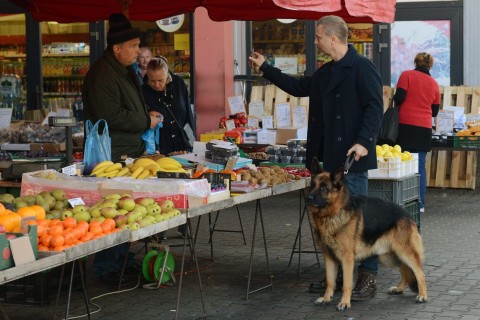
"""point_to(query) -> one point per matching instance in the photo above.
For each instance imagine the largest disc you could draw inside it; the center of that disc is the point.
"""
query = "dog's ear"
(316, 167)
(337, 177)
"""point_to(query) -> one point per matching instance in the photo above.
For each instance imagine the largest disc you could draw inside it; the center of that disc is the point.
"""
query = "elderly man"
(111, 91)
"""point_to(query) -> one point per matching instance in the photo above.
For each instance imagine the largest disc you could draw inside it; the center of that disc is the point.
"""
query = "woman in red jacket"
(418, 97)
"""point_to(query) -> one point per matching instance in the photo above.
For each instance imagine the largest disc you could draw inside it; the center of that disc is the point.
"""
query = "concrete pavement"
(450, 229)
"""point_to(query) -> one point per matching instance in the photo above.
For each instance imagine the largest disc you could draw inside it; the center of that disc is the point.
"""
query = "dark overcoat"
(345, 108)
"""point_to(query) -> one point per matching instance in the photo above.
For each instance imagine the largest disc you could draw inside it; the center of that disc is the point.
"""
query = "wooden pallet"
(455, 169)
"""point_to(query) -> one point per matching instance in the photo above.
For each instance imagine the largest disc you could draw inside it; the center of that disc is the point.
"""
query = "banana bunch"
(143, 168)
(169, 165)
(106, 169)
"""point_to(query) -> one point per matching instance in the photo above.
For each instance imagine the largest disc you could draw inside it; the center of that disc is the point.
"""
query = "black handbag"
(388, 132)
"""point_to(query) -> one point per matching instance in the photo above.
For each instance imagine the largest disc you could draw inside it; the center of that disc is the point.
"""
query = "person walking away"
(346, 108)
(418, 97)
(111, 91)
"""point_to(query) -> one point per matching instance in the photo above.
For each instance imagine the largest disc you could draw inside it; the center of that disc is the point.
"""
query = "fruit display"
(141, 168)
(269, 175)
(395, 151)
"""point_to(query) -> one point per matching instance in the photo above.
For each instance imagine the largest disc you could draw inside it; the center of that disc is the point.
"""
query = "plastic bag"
(98, 146)
(389, 127)
(152, 138)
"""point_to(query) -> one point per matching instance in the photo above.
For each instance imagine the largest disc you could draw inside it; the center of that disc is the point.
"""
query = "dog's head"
(326, 188)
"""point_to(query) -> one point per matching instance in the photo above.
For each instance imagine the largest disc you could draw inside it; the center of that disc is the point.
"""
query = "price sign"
(283, 117)
(267, 122)
(236, 104)
(230, 124)
(299, 116)
(444, 123)
(253, 122)
(70, 170)
(76, 202)
(255, 109)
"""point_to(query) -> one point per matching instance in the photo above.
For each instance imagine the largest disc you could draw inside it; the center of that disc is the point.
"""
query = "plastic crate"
(394, 168)
(31, 290)
(398, 191)
(442, 141)
(413, 207)
(466, 142)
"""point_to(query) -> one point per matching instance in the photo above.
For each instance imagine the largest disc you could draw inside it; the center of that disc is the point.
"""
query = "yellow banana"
(169, 163)
(143, 175)
(152, 168)
(113, 167)
(134, 167)
(137, 172)
(123, 172)
(108, 174)
(144, 162)
(101, 167)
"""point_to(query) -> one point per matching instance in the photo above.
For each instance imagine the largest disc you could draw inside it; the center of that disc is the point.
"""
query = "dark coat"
(176, 96)
(346, 108)
(112, 92)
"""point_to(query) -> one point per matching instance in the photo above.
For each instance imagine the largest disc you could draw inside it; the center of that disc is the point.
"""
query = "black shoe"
(366, 286)
(320, 286)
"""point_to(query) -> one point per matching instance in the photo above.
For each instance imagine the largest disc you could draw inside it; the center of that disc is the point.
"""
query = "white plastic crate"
(394, 168)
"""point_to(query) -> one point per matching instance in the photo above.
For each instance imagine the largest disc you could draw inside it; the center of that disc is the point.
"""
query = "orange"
(105, 228)
(110, 222)
(96, 230)
(41, 247)
(58, 248)
(41, 230)
(93, 224)
(87, 237)
(31, 222)
(11, 222)
(56, 229)
(83, 225)
(26, 212)
(55, 221)
(68, 238)
(69, 222)
(45, 240)
(2, 209)
(57, 241)
(78, 232)
(39, 211)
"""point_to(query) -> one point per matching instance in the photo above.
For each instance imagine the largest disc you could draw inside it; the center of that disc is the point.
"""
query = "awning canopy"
(66, 11)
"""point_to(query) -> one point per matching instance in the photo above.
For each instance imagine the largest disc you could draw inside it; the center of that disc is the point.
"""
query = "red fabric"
(422, 92)
(377, 10)
(66, 11)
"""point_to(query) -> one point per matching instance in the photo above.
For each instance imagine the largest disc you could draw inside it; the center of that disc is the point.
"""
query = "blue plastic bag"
(98, 146)
(152, 138)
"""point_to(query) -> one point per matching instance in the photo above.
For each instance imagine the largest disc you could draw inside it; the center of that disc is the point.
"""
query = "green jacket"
(112, 92)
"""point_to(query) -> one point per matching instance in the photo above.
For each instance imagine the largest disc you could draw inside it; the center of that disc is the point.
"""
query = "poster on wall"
(411, 37)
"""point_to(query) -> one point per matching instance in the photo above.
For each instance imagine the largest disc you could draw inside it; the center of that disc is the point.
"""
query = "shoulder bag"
(388, 132)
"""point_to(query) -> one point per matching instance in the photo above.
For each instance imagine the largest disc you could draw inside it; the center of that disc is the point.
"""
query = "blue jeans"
(357, 184)
(423, 176)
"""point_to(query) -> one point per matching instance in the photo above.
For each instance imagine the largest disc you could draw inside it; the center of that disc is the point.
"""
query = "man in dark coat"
(111, 91)
(346, 108)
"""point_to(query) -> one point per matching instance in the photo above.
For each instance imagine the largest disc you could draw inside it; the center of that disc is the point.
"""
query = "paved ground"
(450, 230)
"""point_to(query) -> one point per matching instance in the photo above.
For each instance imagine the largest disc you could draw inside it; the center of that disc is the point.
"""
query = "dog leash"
(348, 162)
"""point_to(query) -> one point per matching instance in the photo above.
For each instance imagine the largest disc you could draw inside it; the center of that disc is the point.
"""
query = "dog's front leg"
(331, 270)
(348, 262)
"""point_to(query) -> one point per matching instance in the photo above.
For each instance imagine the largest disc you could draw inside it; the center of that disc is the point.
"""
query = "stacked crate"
(404, 191)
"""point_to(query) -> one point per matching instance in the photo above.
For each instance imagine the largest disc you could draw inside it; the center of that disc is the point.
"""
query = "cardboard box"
(287, 133)
(6, 258)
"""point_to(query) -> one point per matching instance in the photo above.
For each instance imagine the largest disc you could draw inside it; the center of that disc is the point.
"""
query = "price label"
(230, 164)
(70, 170)
(76, 202)
(230, 124)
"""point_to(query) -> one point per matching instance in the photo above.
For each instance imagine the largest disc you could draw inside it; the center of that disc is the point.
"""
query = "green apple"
(144, 201)
(153, 209)
(134, 226)
(95, 212)
(109, 212)
(66, 214)
(58, 194)
(78, 209)
(140, 208)
(7, 198)
(166, 205)
(120, 220)
(127, 204)
(82, 216)
(113, 196)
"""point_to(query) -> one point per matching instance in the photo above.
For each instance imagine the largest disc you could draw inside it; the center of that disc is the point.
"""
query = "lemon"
(388, 154)
(385, 146)
(397, 148)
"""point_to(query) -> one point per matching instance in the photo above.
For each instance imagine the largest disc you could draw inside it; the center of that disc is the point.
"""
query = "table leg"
(298, 238)
(258, 213)
(4, 313)
(192, 250)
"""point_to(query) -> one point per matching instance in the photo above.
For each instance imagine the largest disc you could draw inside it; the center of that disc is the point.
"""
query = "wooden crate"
(455, 169)
(270, 94)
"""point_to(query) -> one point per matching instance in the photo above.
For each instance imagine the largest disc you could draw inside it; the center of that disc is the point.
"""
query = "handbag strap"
(90, 128)
(174, 119)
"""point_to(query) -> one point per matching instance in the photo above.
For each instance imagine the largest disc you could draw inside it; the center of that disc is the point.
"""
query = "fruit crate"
(394, 168)
(466, 142)
(399, 191)
(413, 207)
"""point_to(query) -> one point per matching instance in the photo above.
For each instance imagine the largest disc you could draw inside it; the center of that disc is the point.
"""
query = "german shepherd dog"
(354, 228)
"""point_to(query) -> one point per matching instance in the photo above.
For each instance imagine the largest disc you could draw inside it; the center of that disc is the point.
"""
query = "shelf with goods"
(283, 45)
(360, 35)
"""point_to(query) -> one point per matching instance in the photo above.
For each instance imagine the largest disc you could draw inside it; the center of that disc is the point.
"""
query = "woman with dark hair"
(418, 97)
(167, 94)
